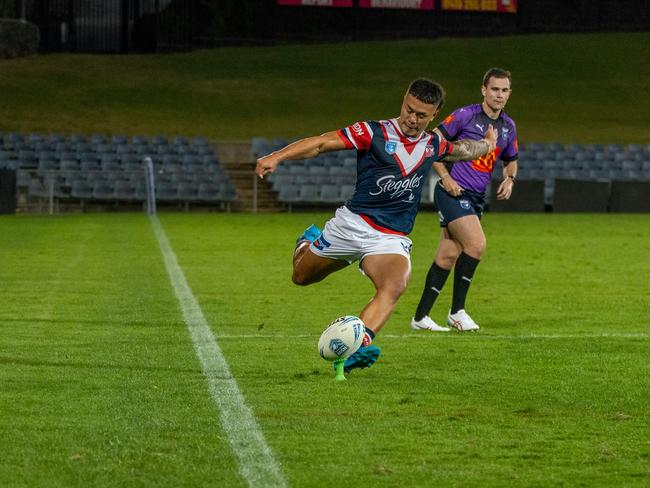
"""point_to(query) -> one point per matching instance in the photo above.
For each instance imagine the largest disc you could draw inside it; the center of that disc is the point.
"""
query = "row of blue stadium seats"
(61, 150)
(12, 138)
(23, 177)
(568, 156)
(97, 161)
(582, 148)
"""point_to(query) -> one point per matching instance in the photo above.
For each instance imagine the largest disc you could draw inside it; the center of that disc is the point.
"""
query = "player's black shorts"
(451, 208)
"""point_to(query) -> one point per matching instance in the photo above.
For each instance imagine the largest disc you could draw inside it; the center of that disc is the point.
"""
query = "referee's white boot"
(461, 321)
(426, 323)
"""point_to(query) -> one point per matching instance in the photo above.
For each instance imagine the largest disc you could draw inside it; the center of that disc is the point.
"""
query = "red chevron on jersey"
(409, 153)
(359, 135)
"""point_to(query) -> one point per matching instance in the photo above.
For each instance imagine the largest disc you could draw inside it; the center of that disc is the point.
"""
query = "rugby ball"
(342, 338)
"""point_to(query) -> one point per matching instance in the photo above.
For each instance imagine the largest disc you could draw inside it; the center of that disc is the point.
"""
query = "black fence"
(164, 25)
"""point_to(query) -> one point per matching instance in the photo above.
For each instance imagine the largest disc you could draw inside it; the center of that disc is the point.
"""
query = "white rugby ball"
(342, 338)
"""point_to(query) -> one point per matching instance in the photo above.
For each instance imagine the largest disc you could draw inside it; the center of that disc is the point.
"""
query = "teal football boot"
(363, 358)
(311, 234)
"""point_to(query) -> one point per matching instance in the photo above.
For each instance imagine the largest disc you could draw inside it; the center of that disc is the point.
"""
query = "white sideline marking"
(256, 461)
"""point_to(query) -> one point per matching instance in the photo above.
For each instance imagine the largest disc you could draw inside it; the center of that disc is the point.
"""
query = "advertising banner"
(317, 3)
(501, 6)
(411, 4)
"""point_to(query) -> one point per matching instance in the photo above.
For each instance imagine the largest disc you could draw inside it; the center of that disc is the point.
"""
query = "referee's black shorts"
(451, 208)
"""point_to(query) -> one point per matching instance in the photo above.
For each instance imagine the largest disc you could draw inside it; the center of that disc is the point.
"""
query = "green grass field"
(567, 88)
(100, 385)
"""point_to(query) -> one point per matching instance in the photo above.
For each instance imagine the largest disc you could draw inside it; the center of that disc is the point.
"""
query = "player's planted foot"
(461, 321)
(426, 323)
(310, 235)
(363, 358)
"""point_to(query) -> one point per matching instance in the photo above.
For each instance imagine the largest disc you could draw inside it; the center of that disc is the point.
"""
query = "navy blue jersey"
(391, 172)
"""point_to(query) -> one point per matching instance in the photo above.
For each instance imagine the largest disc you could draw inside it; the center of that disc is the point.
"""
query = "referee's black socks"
(463, 274)
(436, 278)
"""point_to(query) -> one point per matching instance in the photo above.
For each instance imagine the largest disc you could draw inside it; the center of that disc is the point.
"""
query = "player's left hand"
(505, 189)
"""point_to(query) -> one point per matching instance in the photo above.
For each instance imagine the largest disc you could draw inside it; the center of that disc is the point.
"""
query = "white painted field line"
(256, 461)
(449, 335)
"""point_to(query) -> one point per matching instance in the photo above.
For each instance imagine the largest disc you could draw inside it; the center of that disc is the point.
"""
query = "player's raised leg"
(467, 231)
(310, 268)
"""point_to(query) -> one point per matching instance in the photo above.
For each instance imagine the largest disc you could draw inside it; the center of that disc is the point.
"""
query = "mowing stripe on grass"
(256, 462)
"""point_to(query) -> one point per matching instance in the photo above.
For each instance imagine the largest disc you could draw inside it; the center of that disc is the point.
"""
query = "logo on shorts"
(465, 204)
(321, 243)
(390, 147)
(406, 247)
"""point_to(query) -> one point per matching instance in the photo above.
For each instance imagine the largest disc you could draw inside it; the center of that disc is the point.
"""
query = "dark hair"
(496, 73)
(427, 91)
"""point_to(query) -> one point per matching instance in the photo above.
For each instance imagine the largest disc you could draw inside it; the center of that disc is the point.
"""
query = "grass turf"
(568, 88)
(101, 385)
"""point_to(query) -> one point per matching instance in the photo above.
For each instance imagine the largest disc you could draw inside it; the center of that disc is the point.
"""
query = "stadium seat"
(118, 139)
(167, 192)
(209, 192)
(103, 190)
(346, 192)
(48, 164)
(330, 194)
(289, 193)
(82, 190)
(96, 139)
(124, 190)
(187, 192)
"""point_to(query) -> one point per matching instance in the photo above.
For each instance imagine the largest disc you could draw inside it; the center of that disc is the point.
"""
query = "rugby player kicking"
(394, 158)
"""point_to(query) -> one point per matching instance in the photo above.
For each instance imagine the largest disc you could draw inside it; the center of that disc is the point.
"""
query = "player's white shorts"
(348, 237)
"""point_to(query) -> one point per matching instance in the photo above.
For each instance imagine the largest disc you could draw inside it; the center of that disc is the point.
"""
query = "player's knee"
(394, 290)
(476, 248)
(299, 279)
(448, 259)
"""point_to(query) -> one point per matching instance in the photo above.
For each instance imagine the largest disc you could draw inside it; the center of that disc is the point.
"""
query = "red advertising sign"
(505, 6)
(412, 4)
(317, 3)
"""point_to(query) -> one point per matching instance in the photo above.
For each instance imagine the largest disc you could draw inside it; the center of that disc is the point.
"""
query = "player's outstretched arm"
(310, 147)
(466, 149)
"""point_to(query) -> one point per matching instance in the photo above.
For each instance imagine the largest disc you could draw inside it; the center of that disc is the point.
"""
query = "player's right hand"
(451, 186)
(266, 165)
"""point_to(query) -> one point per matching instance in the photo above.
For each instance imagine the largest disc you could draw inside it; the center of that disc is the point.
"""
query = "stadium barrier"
(630, 196)
(581, 196)
(7, 191)
(528, 196)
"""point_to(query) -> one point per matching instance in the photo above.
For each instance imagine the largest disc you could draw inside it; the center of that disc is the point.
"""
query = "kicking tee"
(391, 172)
(471, 122)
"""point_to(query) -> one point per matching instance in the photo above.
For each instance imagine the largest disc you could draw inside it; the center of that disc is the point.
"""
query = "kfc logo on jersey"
(387, 184)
